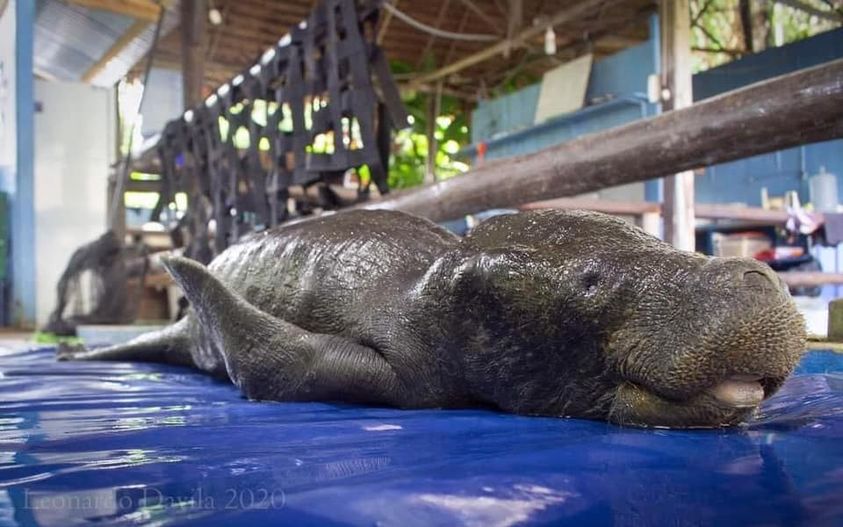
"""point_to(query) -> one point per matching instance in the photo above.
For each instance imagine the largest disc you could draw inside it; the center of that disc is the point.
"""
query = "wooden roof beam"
(134, 31)
(440, 17)
(145, 10)
(424, 88)
(482, 15)
(384, 25)
(173, 62)
(574, 48)
(514, 22)
(570, 14)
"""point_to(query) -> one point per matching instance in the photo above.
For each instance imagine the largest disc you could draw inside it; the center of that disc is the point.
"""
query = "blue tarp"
(126, 444)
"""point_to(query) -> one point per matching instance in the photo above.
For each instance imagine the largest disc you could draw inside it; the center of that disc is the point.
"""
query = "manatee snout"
(727, 341)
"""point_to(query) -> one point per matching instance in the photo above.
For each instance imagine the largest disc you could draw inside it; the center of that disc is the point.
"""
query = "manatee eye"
(590, 282)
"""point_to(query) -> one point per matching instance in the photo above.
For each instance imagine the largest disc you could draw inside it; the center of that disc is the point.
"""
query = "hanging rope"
(471, 37)
(123, 176)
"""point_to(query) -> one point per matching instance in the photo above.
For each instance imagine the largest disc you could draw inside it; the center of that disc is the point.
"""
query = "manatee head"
(581, 314)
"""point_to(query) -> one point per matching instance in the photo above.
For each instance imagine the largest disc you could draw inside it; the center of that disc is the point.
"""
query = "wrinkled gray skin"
(540, 313)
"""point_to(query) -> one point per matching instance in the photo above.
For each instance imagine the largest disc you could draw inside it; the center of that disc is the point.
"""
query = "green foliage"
(409, 154)
(717, 30)
(41, 337)
(797, 24)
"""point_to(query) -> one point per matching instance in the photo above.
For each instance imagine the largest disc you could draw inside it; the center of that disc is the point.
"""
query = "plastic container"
(823, 188)
(740, 244)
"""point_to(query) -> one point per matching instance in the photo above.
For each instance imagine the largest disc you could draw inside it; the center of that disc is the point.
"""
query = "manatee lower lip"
(739, 391)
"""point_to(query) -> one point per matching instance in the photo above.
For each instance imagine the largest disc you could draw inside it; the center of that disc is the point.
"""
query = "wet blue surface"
(121, 444)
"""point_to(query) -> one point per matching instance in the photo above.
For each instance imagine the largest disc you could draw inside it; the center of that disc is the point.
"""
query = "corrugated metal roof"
(70, 39)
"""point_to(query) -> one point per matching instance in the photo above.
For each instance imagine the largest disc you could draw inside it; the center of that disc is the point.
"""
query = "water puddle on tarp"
(126, 444)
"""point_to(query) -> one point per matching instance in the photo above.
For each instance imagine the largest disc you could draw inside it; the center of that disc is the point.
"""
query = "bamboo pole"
(675, 18)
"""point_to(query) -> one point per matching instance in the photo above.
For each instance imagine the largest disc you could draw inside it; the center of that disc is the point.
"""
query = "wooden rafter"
(451, 92)
(194, 40)
(384, 25)
(570, 14)
(576, 48)
(460, 28)
(514, 21)
(145, 10)
(440, 17)
(482, 15)
(134, 31)
(223, 70)
(251, 26)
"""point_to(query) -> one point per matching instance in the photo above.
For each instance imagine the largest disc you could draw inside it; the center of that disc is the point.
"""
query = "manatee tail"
(170, 345)
(222, 313)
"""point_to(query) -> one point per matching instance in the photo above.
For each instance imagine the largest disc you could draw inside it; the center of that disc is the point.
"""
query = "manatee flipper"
(271, 359)
(170, 345)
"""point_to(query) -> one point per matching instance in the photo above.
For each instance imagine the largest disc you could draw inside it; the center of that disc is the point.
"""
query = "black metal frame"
(333, 58)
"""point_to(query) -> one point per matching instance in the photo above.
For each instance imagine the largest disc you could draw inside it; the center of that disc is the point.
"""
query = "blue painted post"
(23, 201)
(653, 189)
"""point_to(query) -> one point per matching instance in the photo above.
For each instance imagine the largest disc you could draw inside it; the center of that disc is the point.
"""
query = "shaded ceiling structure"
(99, 41)
(77, 40)
(251, 26)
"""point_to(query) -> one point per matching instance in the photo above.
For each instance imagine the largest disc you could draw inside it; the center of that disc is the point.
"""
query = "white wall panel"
(74, 146)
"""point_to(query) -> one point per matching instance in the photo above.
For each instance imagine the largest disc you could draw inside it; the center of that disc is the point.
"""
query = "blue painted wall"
(496, 117)
(625, 73)
(769, 63)
(742, 180)
(506, 123)
(566, 127)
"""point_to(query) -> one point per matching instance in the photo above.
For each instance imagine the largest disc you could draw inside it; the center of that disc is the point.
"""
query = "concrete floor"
(15, 338)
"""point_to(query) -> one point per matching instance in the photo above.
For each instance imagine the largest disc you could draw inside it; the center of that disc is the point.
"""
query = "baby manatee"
(566, 314)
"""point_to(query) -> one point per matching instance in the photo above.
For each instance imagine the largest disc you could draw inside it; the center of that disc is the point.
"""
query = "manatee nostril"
(590, 283)
(759, 279)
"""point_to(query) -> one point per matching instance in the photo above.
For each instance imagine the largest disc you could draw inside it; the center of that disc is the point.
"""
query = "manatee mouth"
(725, 403)
(714, 373)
